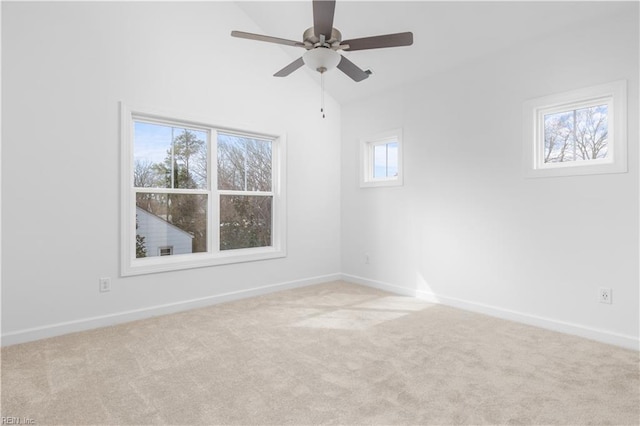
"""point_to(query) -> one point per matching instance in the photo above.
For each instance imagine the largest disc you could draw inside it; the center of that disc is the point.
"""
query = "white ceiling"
(446, 34)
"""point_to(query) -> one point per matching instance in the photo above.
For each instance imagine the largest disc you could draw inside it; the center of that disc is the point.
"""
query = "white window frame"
(130, 265)
(367, 147)
(614, 95)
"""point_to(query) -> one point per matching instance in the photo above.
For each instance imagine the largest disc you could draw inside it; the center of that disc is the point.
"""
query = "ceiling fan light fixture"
(321, 59)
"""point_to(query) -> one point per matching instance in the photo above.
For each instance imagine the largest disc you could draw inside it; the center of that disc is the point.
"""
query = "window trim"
(613, 94)
(130, 265)
(367, 146)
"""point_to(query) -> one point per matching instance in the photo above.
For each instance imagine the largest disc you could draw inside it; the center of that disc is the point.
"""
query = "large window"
(578, 132)
(197, 195)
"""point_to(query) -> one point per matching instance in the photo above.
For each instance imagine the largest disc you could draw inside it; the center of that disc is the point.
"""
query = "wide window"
(381, 159)
(197, 195)
(578, 132)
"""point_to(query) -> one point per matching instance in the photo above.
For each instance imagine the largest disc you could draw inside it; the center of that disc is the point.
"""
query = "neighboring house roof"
(152, 216)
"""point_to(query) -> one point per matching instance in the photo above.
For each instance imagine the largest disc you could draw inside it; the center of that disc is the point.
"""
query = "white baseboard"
(603, 336)
(37, 333)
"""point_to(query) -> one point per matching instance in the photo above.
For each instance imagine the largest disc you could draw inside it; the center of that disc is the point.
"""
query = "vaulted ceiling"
(446, 34)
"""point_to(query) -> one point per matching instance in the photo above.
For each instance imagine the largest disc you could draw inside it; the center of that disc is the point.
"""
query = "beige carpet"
(334, 353)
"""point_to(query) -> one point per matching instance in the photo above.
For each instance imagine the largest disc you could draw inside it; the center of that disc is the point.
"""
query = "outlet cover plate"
(104, 284)
(604, 295)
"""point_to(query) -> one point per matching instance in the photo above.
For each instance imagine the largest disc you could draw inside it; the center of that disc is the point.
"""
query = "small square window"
(576, 133)
(381, 159)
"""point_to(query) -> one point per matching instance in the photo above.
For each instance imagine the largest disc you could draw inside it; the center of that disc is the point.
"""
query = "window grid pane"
(244, 163)
(579, 134)
(385, 160)
(380, 161)
(171, 220)
(245, 221)
(169, 157)
(392, 159)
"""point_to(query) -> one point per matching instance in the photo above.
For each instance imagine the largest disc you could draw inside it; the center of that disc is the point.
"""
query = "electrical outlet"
(604, 295)
(104, 284)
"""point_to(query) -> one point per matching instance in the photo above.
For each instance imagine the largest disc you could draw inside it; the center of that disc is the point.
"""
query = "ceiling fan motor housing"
(312, 41)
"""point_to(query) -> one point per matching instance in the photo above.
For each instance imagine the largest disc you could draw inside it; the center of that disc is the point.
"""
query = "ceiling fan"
(323, 42)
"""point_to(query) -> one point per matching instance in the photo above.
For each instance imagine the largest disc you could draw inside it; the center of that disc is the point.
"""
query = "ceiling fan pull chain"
(322, 93)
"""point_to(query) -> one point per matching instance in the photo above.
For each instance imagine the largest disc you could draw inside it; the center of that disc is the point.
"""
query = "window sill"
(381, 183)
(577, 169)
(156, 264)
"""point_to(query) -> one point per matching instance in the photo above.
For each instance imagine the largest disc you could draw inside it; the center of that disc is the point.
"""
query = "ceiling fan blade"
(378, 42)
(323, 17)
(290, 68)
(259, 37)
(352, 70)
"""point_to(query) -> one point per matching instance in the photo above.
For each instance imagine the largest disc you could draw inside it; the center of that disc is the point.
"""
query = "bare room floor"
(333, 353)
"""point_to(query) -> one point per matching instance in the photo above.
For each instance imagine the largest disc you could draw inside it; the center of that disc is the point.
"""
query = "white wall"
(467, 228)
(66, 66)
